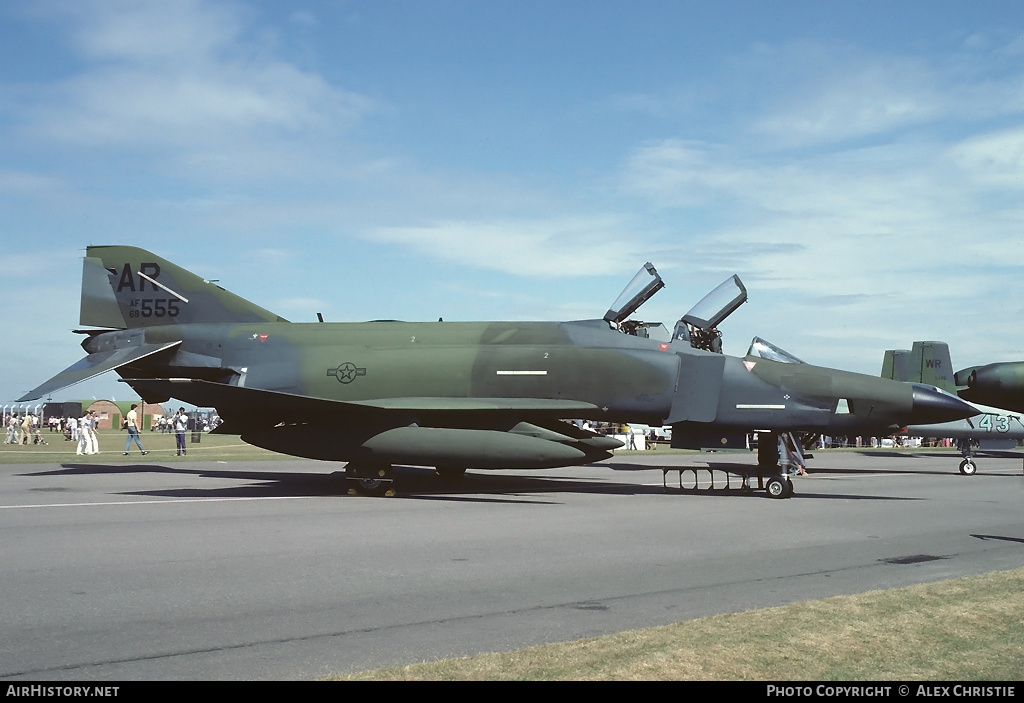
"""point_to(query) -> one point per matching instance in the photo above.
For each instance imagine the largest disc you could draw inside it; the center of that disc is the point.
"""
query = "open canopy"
(718, 304)
(645, 283)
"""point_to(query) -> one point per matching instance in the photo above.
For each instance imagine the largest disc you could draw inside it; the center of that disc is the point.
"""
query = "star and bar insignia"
(347, 372)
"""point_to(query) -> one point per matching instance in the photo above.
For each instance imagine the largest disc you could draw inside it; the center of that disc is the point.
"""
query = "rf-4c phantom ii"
(463, 395)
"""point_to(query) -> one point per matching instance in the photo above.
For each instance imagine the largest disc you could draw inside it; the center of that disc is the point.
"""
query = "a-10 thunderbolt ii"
(1000, 384)
(991, 429)
(459, 395)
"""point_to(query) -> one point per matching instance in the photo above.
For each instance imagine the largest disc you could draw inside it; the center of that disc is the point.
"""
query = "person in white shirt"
(87, 443)
(180, 427)
(132, 425)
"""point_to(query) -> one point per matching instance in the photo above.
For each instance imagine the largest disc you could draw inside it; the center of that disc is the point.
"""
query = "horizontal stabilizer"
(94, 365)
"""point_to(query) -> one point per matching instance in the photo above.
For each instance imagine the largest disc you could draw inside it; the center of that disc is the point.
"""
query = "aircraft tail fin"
(936, 365)
(927, 362)
(126, 287)
(894, 364)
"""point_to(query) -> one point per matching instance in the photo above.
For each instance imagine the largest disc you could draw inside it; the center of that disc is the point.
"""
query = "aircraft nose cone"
(932, 406)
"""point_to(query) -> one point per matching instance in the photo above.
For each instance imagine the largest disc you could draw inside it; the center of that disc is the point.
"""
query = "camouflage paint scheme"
(1000, 384)
(991, 428)
(456, 395)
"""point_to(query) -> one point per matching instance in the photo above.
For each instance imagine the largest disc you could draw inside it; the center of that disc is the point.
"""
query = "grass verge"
(161, 447)
(964, 629)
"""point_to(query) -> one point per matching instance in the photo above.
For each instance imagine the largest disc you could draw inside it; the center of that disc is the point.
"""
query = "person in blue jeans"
(131, 421)
(180, 427)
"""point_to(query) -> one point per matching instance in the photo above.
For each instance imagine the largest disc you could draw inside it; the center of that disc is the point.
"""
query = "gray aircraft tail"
(127, 287)
(927, 362)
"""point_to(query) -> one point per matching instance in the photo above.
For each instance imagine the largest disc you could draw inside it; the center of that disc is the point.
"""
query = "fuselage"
(623, 378)
(629, 378)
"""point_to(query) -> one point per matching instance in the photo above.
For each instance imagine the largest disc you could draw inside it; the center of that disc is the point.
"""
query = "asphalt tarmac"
(269, 570)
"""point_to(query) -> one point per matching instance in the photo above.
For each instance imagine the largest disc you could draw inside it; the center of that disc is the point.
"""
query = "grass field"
(161, 447)
(966, 629)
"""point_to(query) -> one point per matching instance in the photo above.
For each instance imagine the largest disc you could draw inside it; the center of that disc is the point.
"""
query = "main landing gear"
(778, 484)
(370, 479)
(378, 479)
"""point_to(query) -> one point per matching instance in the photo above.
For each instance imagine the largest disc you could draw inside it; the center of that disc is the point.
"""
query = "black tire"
(370, 479)
(372, 486)
(776, 487)
(968, 467)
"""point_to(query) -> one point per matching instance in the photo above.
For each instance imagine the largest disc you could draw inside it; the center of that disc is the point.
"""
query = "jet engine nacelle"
(1000, 384)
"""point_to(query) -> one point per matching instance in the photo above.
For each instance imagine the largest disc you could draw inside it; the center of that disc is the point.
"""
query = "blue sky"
(859, 165)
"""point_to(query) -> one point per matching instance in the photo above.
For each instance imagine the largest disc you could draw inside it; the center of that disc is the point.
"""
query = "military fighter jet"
(457, 395)
(999, 384)
(991, 429)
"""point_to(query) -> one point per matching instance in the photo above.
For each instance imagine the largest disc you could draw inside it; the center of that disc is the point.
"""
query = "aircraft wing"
(488, 433)
(94, 365)
(280, 407)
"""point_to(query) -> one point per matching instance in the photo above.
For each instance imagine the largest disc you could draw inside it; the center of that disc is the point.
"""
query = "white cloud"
(566, 246)
(183, 74)
(155, 31)
(807, 94)
(995, 159)
(829, 103)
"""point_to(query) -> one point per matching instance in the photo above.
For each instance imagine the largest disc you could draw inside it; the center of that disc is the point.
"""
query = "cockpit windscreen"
(766, 350)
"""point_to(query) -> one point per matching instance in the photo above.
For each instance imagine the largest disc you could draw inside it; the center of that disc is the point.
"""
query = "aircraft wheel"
(776, 487)
(968, 467)
(372, 487)
(371, 479)
(789, 488)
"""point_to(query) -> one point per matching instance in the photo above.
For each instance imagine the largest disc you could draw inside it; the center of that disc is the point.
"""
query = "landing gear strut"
(778, 484)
